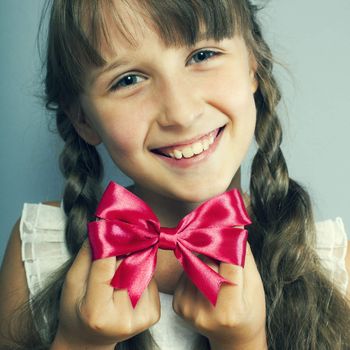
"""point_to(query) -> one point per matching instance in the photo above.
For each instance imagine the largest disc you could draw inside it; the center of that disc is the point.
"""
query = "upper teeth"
(194, 149)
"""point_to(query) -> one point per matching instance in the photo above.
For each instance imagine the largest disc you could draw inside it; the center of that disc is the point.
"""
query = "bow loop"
(115, 203)
(225, 210)
(128, 228)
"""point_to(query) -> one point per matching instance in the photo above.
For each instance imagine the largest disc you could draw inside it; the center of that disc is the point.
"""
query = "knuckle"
(105, 267)
(183, 310)
(126, 329)
(93, 319)
(155, 317)
(229, 322)
(95, 323)
(230, 273)
(149, 319)
(176, 306)
(201, 322)
(232, 319)
(206, 323)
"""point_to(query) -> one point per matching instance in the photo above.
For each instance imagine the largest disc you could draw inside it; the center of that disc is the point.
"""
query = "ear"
(82, 125)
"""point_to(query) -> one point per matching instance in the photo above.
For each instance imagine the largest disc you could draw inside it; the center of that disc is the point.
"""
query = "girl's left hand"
(238, 319)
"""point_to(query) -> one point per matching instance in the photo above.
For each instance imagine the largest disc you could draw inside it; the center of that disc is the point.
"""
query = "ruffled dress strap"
(331, 246)
(44, 250)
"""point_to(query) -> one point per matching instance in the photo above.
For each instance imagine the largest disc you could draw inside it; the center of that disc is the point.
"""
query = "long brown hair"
(304, 309)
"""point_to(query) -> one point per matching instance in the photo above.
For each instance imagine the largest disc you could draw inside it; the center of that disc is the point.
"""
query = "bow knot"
(167, 238)
(126, 227)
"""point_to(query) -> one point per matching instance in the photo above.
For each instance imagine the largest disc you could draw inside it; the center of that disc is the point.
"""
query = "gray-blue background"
(311, 38)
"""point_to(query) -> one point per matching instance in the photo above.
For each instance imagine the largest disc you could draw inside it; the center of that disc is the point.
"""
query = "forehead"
(125, 26)
(118, 23)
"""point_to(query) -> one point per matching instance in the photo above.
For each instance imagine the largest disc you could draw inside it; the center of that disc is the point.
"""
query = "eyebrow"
(119, 62)
(122, 61)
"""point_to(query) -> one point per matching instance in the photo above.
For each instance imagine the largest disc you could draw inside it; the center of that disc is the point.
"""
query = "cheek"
(119, 138)
(234, 97)
(120, 129)
(125, 141)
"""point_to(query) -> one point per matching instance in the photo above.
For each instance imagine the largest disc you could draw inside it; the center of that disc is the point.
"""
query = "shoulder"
(12, 261)
(12, 271)
(14, 291)
(12, 274)
(56, 204)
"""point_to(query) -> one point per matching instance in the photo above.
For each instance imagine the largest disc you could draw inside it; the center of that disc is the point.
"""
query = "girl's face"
(152, 102)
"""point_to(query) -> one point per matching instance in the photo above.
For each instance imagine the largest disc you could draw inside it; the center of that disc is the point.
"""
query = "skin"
(173, 100)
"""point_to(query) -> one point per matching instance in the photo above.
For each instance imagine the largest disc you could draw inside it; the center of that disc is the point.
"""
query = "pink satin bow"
(128, 228)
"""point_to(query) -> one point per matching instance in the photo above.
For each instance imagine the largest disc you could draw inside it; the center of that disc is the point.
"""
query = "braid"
(81, 165)
(304, 310)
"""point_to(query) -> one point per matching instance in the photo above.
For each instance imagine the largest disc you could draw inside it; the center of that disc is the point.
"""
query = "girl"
(175, 90)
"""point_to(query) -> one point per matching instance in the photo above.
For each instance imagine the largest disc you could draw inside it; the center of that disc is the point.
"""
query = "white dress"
(43, 250)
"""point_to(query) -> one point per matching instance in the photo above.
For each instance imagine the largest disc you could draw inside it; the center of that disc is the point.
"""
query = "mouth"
(193, 150)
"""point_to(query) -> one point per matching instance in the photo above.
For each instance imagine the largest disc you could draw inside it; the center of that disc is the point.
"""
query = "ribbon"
(127, 228)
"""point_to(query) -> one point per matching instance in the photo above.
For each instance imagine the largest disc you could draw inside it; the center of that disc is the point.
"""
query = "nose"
(180, 103)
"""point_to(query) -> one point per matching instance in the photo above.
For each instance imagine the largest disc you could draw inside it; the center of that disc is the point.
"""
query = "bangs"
(177, 22)
(81, 30)
(180, 22)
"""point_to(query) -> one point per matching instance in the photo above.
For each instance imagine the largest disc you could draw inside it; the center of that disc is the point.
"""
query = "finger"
(187, 292)
(99, 290)
(233, 274)
(231, 293)
(180, 288)
(78, 273)
(152, 293)
(214, 265)
(249, 258)
(146, 312)
(251, 273)
(149, 302)
(242, 277)
(186, 297)
(122, 295)
(148, 309)
(237, 274)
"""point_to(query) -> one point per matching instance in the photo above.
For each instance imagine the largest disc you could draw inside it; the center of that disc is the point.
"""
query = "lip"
(185, 143)
(185, 163)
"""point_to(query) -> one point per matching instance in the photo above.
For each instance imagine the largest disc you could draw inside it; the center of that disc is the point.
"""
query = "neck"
(168, 210)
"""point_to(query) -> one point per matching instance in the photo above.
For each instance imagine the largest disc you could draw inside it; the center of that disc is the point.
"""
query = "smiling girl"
(176, 91)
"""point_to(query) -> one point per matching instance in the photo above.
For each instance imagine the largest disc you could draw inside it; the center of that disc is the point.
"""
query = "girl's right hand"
(95, 316)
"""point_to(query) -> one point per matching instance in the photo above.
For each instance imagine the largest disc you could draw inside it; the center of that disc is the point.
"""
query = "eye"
(126, 81)
(202, 56)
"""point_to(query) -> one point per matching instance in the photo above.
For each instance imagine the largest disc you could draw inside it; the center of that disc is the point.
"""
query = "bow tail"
(204, 278)
(135, 273)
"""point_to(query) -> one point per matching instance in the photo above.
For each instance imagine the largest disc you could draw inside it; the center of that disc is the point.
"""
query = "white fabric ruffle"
(43, 245)
(331, 246)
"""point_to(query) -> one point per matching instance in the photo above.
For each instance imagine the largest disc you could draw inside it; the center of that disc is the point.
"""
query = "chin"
(198, 194)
